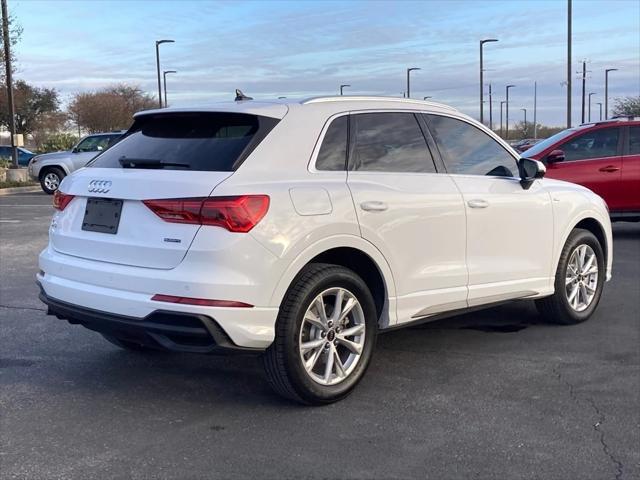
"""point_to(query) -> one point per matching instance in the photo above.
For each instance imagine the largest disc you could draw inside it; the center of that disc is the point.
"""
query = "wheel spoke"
(311, 345)
(570, 280)
(347, 308)
(353, 346)
(590, 289)
(350, 332)
(313, 359)
(338, 363)
(588, 264)
(583, 293)
(328, 369)
(573, 294)
(337, 308)
(319, 303)
(314, 320)
(592, 270)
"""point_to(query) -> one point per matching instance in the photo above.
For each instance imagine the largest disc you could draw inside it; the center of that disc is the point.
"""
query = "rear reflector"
(202, 302)
(236, 214)
(61, 200)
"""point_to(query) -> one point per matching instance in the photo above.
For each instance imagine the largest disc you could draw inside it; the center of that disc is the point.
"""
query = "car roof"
(332, 104)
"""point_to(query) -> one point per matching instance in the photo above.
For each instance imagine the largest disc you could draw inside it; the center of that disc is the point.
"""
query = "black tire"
(282, 362)
(47, 174)
(556, 308)
(128, 345)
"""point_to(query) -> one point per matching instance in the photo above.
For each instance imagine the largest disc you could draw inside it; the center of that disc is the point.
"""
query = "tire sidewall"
(580, 237)
(305, 387)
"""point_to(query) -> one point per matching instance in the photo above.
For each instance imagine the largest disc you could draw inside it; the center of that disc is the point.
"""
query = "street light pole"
(590, 94)
(7, 64)
(482, 42)
(409, 70)
(158, 43)
(506, 111)
(600, 105)
(535, 110)
(427, 97)
(501, 130)
(606, 91)
(342, 86)
(568, 63)
(525, 120)
(164, 77)
(490, 109)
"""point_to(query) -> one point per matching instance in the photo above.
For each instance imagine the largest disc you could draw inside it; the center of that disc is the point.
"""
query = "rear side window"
(389, 142)
(634, 140)
(467, 150)
(188, 141)
(599, 143)
(333, 152)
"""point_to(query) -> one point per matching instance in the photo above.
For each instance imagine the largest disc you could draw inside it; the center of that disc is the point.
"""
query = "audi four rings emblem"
(99, 186)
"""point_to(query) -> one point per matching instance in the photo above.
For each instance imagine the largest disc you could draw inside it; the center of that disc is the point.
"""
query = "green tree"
(110, 108)
(627, 106)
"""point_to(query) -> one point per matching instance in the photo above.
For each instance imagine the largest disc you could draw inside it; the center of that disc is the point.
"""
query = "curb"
(9, 191)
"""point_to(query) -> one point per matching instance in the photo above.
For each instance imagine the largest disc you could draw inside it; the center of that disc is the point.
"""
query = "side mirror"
(530, 170)
(555, 156)
(74, 150)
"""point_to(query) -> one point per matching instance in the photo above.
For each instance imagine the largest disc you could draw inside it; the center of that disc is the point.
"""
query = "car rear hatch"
(173, 155)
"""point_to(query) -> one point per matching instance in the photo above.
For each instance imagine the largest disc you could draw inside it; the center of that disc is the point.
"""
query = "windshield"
(187, 141)
(544, 144)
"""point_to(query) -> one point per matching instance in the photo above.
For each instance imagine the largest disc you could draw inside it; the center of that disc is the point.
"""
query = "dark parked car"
(24, 155)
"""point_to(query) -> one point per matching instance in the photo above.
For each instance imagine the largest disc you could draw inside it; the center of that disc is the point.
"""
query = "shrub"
(58, 142)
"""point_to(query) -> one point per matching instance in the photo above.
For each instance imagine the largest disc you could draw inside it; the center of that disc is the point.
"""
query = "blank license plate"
(102, 215)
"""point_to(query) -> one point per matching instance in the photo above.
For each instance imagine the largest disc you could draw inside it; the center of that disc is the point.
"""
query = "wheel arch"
(356, 254)
(45, 168)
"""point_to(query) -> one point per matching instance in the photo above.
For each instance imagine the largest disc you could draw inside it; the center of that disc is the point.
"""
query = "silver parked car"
(50, 168)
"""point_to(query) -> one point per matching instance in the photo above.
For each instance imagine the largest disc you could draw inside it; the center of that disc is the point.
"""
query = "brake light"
(237, 214)
(61, 200)
(202, 302)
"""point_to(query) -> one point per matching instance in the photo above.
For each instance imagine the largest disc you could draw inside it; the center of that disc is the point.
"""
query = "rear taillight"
(236, 214)
(61, 200)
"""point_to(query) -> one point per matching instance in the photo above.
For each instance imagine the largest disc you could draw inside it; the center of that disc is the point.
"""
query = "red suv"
(602, 156)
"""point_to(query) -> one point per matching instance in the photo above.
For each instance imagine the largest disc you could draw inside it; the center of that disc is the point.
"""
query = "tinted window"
(593, 144)
(634, 140)
(333, 152)
(389, 142)
(188, 141)
(467, 150)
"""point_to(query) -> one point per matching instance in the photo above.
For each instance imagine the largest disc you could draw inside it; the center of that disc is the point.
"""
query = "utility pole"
(7, 64)
(506, 111)
(568, 63)
(501, 104)
(490, 109)
(606, 91)
(482, 42)
(584, 80)
(535, 110)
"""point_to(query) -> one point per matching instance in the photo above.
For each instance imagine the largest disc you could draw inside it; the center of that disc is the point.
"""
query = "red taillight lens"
(61, 200)
(236, 214)
(203, 302)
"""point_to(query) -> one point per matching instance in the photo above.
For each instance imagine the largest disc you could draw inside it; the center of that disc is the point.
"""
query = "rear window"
(188, 141)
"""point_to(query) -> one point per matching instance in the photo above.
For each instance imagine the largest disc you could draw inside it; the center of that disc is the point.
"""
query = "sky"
(308, 48)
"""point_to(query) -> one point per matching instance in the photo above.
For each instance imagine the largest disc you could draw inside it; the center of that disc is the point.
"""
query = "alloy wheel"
(581, 280)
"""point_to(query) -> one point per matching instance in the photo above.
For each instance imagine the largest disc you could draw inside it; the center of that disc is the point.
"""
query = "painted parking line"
(9, 221)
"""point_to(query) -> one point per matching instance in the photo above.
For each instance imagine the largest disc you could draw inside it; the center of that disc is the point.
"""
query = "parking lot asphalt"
(489, 395)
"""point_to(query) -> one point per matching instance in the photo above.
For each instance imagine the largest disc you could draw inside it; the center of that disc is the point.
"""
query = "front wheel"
(325, 334)
(579, 280)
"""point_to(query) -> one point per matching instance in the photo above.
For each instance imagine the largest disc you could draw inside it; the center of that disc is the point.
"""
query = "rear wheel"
(579, 280)
(50, 179)
(325, 334)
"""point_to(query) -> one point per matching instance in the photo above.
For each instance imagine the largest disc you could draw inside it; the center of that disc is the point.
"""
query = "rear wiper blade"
(148, 163)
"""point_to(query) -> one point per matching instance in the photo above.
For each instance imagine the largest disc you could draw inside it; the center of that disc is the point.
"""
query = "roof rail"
(372, 98)
(619, 118)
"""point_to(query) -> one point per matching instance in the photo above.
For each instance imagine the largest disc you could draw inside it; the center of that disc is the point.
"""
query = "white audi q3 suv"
(301, 229)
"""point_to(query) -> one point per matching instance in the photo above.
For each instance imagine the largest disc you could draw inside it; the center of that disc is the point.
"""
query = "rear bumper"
(161, 329)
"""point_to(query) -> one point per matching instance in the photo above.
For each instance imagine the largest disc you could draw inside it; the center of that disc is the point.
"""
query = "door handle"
(478, 203)
(373, 206)
(609, 169)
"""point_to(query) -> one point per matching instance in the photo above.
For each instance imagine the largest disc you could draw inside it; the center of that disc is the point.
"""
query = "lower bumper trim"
(161, 329)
